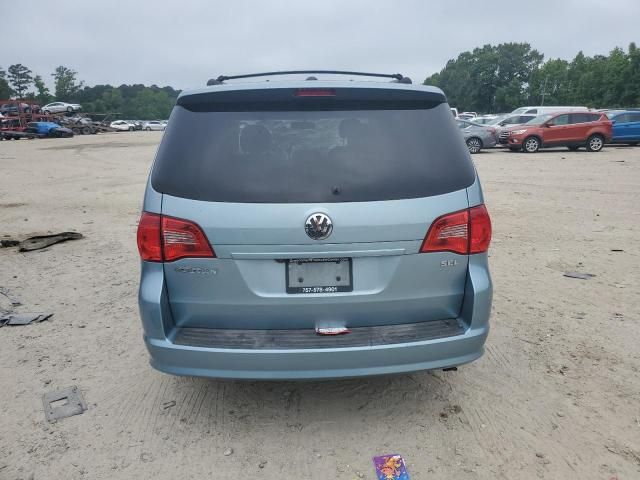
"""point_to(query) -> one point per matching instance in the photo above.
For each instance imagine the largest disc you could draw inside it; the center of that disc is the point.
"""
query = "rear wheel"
(86, 131)
(573, 148)
(148, 129)
(595, 143)
(76, 131)
(531, 144)
(131, 129)
(474, 144)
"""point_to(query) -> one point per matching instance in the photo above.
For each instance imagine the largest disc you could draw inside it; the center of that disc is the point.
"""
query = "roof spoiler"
(396, 77)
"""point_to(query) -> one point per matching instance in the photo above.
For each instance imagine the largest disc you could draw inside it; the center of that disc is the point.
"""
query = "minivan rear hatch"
(252, 166)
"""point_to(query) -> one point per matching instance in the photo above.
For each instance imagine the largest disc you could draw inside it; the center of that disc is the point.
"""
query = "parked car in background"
(11, 128)
(477, 136)
(48, 129)
(59, 107)
(14, 108)
(282, 244)
(571, 129)
(626, 126)
(153, 125)
(504, 123)
(122, 125)
(484, 119)
(136, 124)
(467, 115)
(510, 120)
(547, 109)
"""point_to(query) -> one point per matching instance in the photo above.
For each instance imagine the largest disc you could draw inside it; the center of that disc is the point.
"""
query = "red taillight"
(464, 232)
(149, 244)
(480, 229)
(315, 92)
(168, 239)
(183, 239)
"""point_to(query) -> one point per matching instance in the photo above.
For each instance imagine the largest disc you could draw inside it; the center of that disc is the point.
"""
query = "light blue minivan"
(307, 229)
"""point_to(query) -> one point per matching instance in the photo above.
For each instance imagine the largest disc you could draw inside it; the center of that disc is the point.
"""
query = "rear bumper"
(316, 363)
(175, 357)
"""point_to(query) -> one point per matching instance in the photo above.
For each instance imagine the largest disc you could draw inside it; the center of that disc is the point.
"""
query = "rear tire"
(131, 129)
(595, 143)
(86, 131)
(76, 131)
(531, 144)
(148, 129)
(474, 144)
(573, 148)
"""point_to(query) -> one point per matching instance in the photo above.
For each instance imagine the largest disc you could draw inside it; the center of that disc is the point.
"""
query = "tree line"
(138, 102)
(488, 79)
(500, 78)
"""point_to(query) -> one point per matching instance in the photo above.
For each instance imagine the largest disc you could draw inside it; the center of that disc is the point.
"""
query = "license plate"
(319, 275)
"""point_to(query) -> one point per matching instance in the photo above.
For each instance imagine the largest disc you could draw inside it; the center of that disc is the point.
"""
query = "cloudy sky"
(183, 43)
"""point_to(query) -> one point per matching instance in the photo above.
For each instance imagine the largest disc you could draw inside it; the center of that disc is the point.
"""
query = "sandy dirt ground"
(556, 395)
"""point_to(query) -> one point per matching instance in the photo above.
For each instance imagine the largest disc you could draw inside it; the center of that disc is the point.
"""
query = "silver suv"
(309, 229)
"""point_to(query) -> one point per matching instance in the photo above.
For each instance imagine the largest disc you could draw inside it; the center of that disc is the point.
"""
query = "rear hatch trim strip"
(308, 339)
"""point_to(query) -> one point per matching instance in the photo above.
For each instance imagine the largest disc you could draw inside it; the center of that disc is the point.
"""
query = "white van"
(542, 110)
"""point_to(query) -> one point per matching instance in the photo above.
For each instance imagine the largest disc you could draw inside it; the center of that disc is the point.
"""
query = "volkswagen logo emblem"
(318, 226)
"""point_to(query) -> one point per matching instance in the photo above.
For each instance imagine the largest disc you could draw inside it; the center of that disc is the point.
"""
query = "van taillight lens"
(149, 234)
(480, 229)
(168, 239)
(464, 232)
(183, 239)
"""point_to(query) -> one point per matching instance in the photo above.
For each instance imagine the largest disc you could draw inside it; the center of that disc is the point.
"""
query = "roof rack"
(397, 77)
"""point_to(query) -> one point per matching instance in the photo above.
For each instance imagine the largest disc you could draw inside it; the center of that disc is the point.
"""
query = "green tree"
(631, 77)
(43, 96)
(129, 101)
(66, 84)
(549, 85)
(20, 79)
(5, 90)
(489, 78)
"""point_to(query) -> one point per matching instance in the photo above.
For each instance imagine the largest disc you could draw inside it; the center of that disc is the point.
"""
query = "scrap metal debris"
(578, 275)
(9, 243)
(44, 241)
(54, 410)
(23, 318)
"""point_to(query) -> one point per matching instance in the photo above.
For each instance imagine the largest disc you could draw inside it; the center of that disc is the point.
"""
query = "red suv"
(570, 129)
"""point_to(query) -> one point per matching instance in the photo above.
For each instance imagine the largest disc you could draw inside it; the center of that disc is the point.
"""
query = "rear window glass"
(311, 156)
